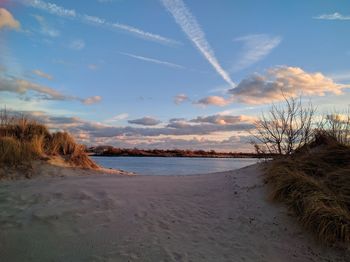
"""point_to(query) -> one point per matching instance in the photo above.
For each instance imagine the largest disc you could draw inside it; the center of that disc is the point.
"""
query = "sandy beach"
(210, 217)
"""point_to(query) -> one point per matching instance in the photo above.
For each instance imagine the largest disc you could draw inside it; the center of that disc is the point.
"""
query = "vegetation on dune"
(23, 140)
(315, 185)
(285, 128)
(313, 178)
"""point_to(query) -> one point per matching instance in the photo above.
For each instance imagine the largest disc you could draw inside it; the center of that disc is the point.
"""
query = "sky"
(188, 74)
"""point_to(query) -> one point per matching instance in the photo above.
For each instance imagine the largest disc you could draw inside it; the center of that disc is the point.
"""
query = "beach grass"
(23, 140)
(314, 183)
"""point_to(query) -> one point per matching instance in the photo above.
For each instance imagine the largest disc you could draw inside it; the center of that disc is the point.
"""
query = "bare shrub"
(337, 126)
(285, 128)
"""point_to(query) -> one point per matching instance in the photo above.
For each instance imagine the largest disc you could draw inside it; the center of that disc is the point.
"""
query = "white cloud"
(143, 34)
(45, 28)
(174, 128)
(334, 16)
(153, 60)
(283, 81)
(255, 48)
(145, 121)
(220, 89)
(91, 100)
(52, 8)
(117, 118)
(201, 134)
(192, 29)
(77, 44)
(7, 20)
(224, 119)
(96, 21)
(28, 90)
(275, 85)
(180, 98)
(42, 74)
(213, 100)
(22, 87)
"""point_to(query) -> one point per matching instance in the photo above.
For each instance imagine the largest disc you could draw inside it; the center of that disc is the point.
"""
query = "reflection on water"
(174, 165)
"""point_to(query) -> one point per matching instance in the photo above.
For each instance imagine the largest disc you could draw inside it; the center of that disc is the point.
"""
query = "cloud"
(117, 118)
(22, 87)
(334, 16)
(77, 44)
(91, 100)
(97, 21)
(220, 89)
(180, 98)
(172, 129)
(283, 81)
(7, 20)
(45, 28)
(192, 29)
(52, 8)
(187, 136)
(145, 121)
(213, 100)
(224, 119)
(27, 90)
(255, 48)
(152, 60)
(341, 76)
(277, 83)
(42, 74)
(232, 143)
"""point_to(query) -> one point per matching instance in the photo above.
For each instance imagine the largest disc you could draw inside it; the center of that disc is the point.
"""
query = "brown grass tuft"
(315, 185)
(62, 143)
(23, 140)
(14, 153)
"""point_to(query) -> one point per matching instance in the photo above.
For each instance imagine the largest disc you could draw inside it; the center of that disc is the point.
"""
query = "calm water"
(173, 165)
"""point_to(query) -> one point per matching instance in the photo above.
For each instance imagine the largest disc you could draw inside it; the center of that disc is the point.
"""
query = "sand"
(213, 217)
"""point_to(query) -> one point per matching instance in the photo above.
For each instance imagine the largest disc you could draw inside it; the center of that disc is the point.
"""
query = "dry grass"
(13, 152)
(23, 140)
(63, 144)
(315, 184)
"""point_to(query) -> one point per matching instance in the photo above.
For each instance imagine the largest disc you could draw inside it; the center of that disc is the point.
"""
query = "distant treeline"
(112, 151)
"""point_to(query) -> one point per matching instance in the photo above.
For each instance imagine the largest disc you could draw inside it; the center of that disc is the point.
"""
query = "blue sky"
(170, 73)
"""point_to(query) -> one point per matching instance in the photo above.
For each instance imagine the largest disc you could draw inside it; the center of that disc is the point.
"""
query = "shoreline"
(228, 157)
(55, 168)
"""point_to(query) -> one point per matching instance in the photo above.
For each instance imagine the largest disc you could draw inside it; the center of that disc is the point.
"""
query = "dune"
(210, 217)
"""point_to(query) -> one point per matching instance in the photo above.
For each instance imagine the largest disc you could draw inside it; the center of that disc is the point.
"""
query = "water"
(173, 165)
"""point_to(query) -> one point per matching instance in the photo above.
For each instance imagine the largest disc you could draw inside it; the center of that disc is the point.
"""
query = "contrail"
(192, 29)
(72, 14)
(255, 48)
(152, 60)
